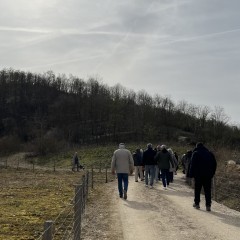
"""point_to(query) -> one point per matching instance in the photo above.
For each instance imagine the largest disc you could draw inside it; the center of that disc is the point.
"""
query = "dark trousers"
(170, 176)
(165, 177)
(204, 182)
(122, 182)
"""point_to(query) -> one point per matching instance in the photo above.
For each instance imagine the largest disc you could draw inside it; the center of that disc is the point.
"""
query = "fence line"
(72, 229)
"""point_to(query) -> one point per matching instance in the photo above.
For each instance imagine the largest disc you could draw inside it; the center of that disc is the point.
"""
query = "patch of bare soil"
(102, 220)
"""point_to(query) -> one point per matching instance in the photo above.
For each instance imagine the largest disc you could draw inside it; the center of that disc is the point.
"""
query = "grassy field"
(28, 199)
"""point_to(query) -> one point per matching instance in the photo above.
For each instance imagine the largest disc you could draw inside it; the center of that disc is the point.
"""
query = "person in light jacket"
(122, 164)
(173, 167)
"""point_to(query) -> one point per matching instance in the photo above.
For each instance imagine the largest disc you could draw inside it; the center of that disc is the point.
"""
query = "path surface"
(169, 215)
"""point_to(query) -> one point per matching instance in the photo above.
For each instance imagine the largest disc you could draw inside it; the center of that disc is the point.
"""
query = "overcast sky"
(185, 49)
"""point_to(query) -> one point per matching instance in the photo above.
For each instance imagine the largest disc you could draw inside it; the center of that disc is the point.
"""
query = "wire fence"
(68, 223)
(225, 190)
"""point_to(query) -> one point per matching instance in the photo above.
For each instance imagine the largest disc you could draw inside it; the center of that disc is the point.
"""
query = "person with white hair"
(122, 163)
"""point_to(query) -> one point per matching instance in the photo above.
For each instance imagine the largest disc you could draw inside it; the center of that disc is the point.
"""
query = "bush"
(10, 144)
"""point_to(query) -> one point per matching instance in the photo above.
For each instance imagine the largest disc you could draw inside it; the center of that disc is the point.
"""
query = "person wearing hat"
(122, 164)
(202, 169)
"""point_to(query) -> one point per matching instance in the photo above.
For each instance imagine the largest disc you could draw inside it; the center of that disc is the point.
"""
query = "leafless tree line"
(50, 112)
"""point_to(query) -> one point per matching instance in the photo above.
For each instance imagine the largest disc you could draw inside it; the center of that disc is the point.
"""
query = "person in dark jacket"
(138, 163)
(149, 164)
(75, 162)
(164, 159)
(202, 169)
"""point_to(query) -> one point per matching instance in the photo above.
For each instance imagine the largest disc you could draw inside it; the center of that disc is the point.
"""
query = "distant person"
(164, 159)
(122, 163)
(138, 163)
(202, 169)
(75, 162)
(149, 164)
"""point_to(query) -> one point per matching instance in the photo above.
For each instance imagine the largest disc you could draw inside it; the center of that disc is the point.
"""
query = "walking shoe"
(121, 196)
(208, 208)
(196, 206)
(146, 185)
(136, 181)
(151, 186)
(125, 194)
(164, 188)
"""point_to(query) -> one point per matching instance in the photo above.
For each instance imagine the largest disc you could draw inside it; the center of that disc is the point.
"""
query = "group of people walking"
(155, 164)
(151, 165)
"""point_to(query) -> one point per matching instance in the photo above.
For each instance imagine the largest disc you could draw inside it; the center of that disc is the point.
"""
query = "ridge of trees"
(49, 111)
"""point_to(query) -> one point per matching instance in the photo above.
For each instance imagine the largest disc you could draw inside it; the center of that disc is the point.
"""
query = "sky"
(184, 49)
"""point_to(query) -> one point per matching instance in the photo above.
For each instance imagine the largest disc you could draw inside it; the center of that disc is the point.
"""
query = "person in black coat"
(149, 163)
(202, 169)
(138, 163)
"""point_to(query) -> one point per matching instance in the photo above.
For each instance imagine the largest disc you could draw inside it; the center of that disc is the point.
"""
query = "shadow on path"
(141, 206)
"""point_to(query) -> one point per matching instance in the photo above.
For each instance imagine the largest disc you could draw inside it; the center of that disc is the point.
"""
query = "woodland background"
(46, 113)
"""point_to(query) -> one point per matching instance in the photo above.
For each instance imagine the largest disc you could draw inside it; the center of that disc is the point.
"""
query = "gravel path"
(168, 214)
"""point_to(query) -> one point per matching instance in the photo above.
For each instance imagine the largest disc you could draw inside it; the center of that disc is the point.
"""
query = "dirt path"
(168, 214)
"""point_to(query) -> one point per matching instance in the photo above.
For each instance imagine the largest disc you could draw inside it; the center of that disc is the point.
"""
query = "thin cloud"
(65, 61)
(19, 29)
(193, 38)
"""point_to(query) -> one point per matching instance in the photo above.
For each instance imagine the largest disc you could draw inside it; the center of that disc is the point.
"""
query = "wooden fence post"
(100, 166)
(33, 162)
(6, 162)
(48, 230)
(87, 182)
(54, 164)
(77, 212)
(106, 175)
(83, 193)
(92, 177)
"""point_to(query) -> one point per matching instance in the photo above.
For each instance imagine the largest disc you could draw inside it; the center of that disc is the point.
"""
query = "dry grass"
(28, 199)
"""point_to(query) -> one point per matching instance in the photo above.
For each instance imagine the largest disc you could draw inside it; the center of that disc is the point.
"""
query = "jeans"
(122, 178)
(204, 182)
(165, 177)
(138, 172)
(149, 169)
